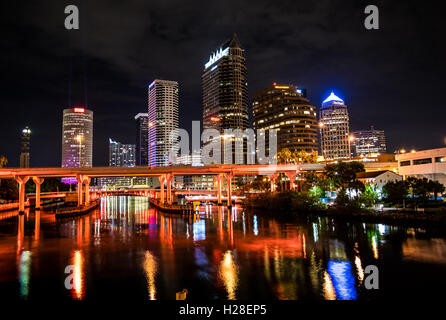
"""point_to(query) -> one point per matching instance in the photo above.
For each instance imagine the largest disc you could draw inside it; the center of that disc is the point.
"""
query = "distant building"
(430, 164)
(77, 138)
(142, 139)
(334, 128)
(365, 142)
(225, 91)
(121, 155)
(25, 147)
(285, 108)
(377, 179)
(163, 114)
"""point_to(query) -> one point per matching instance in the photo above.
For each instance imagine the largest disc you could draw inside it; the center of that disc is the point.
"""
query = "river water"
(127, 250)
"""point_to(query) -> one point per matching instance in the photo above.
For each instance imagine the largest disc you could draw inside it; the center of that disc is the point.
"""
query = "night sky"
(392, 78)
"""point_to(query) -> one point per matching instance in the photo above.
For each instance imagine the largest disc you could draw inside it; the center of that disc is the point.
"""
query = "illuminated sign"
(216, 56)
(151, 85)
(281, 87)
(215, 119)
(79, 110)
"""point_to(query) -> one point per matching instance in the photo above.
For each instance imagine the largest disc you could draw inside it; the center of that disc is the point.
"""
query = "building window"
(405, 163)
(440, 159)
(422, 161)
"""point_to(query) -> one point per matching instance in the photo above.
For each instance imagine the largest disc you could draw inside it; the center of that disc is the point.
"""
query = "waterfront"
(126, 250)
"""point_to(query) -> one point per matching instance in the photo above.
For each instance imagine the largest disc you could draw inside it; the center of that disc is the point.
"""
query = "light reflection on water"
(217, 254)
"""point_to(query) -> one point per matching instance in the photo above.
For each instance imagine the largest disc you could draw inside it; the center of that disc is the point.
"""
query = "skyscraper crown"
(332, 99)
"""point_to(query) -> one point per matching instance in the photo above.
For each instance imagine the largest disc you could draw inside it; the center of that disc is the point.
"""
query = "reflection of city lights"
(78, 275)
(256, 230)
(24, 273)
(342, 279)
(359, 268)
(150, 268)
(375, 246)
(329, 290)
(228, 274)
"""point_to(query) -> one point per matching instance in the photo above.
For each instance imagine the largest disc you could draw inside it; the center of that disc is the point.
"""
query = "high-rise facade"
(25, 141)
(142, 142)
(162, 120)
(334, 128)
(77, 138)
(286, 109)
(121, 155)
(368, 141)
(225, 88)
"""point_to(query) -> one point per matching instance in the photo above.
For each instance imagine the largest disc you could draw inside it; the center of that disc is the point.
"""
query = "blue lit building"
(334, 128)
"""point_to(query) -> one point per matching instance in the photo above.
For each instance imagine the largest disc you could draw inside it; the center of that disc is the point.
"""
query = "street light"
(350, 140)
(79, 139)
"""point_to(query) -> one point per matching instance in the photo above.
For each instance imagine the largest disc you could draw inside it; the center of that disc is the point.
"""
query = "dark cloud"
(391, 78)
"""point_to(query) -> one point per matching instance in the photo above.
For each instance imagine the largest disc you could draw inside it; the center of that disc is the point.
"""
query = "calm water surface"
(127, 250)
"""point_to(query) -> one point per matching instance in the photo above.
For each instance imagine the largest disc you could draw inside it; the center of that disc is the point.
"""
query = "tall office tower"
(24, 147)
(121, 155)
(77, 138)
(142, 143)
(368, 141)
(225, 88)
(285, 108)
(162, 120)
(334, 127)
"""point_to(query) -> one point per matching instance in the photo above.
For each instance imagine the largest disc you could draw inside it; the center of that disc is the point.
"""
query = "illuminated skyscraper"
(25, 147)
(142, 142)
(368, 141)
(334, 128)
(163, 119)
(77, 138)
(121, 155)
(225, 88)
(285, 108)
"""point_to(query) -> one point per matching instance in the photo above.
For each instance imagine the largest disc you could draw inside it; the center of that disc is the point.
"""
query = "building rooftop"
(332, 98)
(372, 174)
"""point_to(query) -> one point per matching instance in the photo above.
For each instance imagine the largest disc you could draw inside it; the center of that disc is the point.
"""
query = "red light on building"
(215, 119)
(79, 110)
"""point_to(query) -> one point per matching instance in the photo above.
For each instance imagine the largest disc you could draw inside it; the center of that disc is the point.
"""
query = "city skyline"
(376, 96)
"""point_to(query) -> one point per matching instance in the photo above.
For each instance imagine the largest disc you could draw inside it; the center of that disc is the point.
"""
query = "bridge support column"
(79, 191)
(21, 181)
(169, 178)
(219, 178)
(87, 181)
(291, 175)
(229, 177)
(272, 181)
(38, 181)
(162, 178)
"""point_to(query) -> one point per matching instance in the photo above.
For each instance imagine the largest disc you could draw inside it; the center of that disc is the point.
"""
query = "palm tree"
(3, 161)
(284, 156)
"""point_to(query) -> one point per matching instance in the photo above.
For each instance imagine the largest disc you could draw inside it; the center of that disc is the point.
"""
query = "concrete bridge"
(165, 175)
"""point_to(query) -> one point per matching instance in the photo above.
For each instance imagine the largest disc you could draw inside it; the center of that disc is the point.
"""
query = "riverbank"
(290, 205)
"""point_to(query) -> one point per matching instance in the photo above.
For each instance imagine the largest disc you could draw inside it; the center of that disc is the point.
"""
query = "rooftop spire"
(235, 42)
